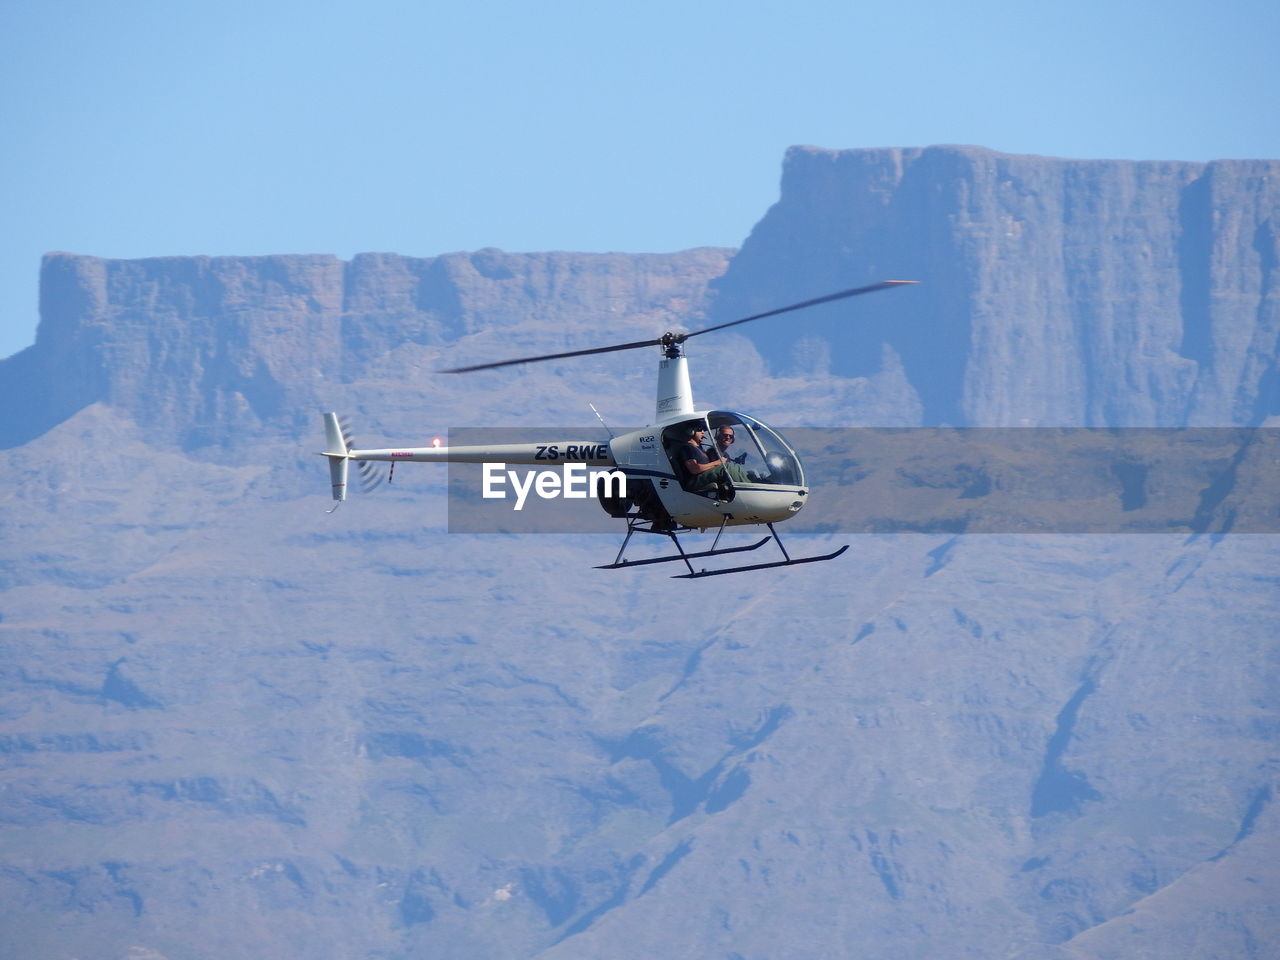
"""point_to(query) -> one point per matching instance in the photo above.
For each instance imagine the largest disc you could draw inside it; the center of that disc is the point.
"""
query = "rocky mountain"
(234, 725)
(1054, 292)
(201, 349)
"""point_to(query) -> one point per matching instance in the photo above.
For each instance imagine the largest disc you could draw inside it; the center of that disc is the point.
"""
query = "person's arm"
(694, 467)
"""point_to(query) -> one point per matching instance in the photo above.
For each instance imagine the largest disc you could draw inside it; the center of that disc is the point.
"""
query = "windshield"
(762, 454)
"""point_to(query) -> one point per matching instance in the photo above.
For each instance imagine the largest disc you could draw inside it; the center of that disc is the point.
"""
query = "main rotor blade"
(682, 337)
(882, 285)
(556, 356)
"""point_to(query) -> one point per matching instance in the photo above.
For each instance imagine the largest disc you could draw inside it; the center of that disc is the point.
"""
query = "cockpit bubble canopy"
(760, 450)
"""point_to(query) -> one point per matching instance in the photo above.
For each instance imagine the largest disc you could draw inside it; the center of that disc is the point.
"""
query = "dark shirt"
(691, 451)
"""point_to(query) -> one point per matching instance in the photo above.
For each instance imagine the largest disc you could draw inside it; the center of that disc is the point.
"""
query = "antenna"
(601, 419)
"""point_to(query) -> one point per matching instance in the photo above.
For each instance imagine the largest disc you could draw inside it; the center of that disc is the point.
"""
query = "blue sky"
(142, 128)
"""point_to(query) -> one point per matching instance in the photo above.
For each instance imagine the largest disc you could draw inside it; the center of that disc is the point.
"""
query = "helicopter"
(667, 488)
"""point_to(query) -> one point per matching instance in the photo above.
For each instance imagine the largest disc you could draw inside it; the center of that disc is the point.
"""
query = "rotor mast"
(675, 391)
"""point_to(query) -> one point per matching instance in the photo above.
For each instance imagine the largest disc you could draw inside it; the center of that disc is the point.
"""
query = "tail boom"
(341, 453)
(533, 454)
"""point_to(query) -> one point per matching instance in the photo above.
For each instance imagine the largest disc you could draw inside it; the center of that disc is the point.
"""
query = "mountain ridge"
(1078, 292)
(235, 725)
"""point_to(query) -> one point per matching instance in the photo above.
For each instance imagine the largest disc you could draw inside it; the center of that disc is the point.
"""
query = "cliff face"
(1055, 292)
(200, 350)
(234, 726)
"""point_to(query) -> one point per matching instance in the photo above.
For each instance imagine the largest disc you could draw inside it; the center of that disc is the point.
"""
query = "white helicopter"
(668, 488)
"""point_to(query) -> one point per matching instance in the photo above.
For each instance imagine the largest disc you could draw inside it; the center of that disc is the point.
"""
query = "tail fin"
(335, 449)
(338, 447)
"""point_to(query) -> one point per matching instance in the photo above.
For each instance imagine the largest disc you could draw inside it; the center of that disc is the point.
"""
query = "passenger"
(695, 461)
(705, 473)
(702, 471)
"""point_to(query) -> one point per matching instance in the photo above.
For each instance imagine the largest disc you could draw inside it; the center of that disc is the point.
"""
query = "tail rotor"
(338, 446)
(371, 477)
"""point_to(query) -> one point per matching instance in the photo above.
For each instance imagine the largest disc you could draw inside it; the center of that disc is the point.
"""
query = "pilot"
(724, 440)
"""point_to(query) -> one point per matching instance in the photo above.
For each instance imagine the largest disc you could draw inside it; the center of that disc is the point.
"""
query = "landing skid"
(618, 565)
(762, 566)
(637, 526)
